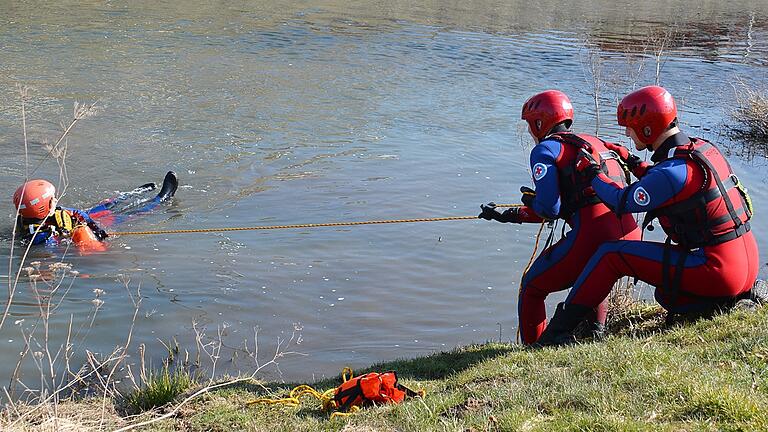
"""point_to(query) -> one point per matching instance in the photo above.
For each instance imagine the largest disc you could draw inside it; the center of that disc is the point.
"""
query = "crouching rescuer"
(562, 192)
(710, 257)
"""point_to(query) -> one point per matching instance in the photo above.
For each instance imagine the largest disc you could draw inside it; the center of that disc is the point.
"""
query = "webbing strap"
(670, 281)
(351, 394)
(699, 156)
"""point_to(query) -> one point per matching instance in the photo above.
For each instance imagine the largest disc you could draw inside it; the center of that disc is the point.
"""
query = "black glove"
(528, 196)
(489, 212)
(638, 166)
(588, 162)
(100, 233)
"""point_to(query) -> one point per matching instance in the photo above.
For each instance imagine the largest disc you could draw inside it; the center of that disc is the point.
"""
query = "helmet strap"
(54, 202)
(560, 127)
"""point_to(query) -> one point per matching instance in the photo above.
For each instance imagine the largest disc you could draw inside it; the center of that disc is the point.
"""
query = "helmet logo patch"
(539, 171)
(641, 197)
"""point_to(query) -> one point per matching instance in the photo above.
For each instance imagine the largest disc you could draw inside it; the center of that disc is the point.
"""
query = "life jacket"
(719, 210)
(61, 222)
(371, 388)
(576, 187)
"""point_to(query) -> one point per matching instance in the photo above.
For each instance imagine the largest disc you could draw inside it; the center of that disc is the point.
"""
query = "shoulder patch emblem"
(641, 197)
(539, 171)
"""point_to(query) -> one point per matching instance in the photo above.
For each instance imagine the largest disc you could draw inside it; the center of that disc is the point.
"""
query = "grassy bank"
(707, 375)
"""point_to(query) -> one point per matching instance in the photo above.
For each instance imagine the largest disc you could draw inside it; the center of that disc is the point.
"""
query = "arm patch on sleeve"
(641, 197)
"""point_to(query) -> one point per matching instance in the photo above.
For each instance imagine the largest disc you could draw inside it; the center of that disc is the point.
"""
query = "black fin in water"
(145, 187)
(170, 184)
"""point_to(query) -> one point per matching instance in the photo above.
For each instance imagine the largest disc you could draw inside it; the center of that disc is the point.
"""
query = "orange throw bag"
(370, 389)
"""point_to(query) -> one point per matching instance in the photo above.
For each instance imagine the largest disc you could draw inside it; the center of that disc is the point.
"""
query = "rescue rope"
(326, 397)
(309, 225)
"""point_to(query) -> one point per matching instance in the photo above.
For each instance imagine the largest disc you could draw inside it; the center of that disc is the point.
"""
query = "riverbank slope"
(711, 374)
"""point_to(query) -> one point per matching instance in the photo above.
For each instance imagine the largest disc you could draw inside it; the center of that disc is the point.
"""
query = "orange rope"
(310, 225)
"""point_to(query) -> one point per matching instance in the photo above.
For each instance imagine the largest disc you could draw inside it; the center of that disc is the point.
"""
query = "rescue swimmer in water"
(710, 257)
(42, 221)
(562, 192)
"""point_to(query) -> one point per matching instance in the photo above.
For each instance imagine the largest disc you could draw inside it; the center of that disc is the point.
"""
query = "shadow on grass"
(432, 367)
(437, 366)
(441, 365)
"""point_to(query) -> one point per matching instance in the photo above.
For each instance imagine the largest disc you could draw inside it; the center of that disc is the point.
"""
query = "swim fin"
(170, 184)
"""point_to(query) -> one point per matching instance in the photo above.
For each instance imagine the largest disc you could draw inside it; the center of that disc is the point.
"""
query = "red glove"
(634, 163)
(620, 150)
(588, 162)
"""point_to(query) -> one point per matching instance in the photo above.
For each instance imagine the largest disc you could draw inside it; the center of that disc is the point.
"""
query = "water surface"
(294, 112)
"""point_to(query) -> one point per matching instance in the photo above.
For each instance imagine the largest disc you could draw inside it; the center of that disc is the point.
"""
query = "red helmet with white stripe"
(649, 111)
(33, 199)
(545, 110)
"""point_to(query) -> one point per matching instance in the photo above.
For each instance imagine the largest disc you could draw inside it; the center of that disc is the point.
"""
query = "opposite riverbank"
(711, 374)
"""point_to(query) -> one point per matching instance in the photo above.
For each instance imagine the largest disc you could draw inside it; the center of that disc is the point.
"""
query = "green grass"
(709, 375)
(159, 388)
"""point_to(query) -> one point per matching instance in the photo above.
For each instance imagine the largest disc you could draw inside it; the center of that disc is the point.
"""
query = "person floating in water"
(42, 221)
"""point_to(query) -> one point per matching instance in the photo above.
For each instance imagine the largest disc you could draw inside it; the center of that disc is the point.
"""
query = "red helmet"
(648, 111)
(33, 199)
(545, 110)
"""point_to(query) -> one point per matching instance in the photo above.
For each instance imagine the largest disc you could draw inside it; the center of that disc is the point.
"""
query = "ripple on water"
(283, 114)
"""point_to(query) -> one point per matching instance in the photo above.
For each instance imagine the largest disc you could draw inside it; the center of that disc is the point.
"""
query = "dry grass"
(751, 115)
(80, 416)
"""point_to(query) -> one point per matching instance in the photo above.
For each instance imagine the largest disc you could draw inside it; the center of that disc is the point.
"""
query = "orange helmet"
(33, 199)
(648, 111)
(545, 110)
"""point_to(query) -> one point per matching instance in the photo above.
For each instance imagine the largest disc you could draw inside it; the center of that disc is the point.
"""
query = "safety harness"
(689, 220)
(576, 187)
(61, 222)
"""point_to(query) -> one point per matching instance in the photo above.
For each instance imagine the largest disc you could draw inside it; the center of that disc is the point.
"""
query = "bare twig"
(274, 361)
(592, 65)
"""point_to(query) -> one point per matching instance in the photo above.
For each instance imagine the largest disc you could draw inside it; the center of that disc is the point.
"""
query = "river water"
(306, 112)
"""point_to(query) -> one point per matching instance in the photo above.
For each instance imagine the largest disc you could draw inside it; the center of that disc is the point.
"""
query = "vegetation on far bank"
(711, 374)
(751, 117)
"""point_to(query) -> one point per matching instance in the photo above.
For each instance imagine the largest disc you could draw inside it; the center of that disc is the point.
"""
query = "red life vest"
(718, 210)
(576, 187)
(371, 388)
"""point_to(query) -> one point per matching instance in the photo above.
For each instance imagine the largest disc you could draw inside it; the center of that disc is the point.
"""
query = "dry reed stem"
(80, 111)
(274, 361)
(751, 112)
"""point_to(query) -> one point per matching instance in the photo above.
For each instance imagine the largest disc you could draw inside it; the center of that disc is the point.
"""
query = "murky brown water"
(297, 112)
